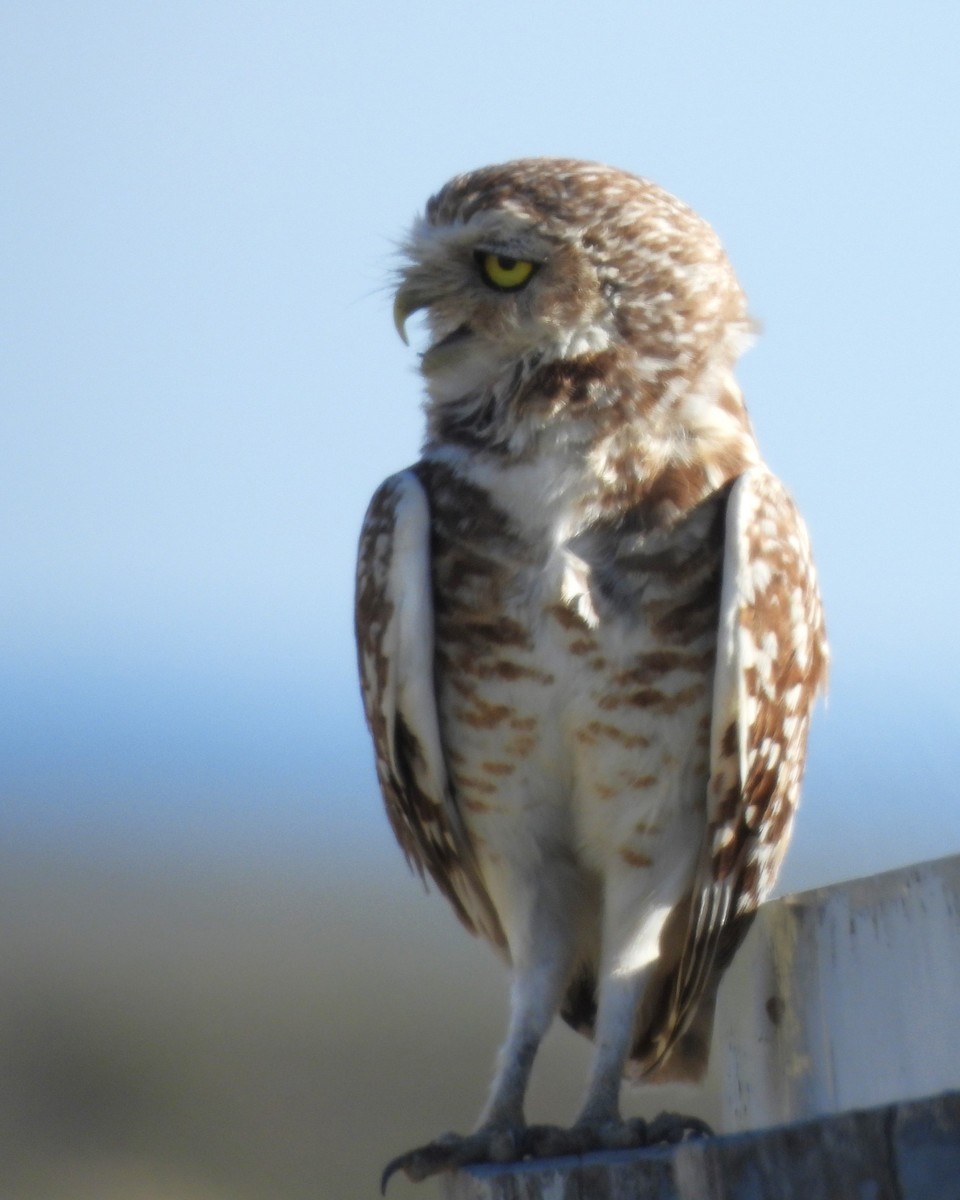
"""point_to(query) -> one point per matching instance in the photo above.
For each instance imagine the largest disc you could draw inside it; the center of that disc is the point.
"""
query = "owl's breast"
(573, 673)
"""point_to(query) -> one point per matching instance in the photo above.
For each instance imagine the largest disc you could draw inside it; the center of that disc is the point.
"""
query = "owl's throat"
(437, 355)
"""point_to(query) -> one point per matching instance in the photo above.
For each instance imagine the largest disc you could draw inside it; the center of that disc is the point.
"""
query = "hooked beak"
(406, 303)
(445, 349)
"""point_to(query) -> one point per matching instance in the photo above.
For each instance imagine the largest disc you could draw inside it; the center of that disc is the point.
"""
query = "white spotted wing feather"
(771, 665)
(395, 641)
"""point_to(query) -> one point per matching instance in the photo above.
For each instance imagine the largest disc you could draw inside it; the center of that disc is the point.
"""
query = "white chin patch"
(457, 369)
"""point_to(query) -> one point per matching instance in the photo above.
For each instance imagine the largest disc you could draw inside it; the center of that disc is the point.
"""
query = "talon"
(452, 1150)
(423, 1161)
(389, 1171)
(403, 1162)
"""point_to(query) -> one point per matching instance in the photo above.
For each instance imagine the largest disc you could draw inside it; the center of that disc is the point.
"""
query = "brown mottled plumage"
(588, 624)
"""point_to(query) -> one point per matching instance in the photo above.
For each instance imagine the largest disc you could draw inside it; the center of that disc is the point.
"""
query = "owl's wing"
(771, 664)
(394, 628)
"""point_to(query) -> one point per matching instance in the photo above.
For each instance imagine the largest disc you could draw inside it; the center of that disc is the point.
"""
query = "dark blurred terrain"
(218, 979)
(253, 999)
(175, 1033)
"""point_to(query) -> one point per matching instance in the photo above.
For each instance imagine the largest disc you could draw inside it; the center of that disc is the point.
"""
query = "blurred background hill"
(217, 978)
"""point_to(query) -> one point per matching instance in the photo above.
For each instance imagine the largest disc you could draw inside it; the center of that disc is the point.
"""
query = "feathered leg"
(543, 949)
(631, 952)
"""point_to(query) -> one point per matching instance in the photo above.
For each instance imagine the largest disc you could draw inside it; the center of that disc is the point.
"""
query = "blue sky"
(201, 385)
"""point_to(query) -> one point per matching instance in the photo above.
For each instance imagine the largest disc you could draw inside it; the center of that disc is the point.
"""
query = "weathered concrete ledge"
(907, 1151)
(841, 998)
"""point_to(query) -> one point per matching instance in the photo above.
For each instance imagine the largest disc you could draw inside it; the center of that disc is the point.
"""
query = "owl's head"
(552, 285)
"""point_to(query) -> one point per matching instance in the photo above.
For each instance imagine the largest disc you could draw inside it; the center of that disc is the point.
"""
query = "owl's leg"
(631, 948)
(599, 1124)
(535, 994)
(543, 945)
(638, 901)
(619, 997)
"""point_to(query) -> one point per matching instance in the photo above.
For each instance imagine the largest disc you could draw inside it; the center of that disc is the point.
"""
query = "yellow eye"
(502, 272)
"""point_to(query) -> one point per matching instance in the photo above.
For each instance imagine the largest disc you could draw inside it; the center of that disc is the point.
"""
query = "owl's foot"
(670, 1128)
(504, 1144)
(495, 1143)
(549, 1141)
